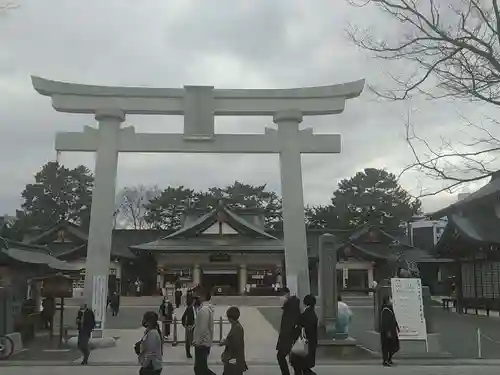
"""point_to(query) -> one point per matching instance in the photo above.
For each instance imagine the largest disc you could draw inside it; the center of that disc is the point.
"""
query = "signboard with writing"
(409, 308)
(220, 257)
(57, 286)
(99, 300)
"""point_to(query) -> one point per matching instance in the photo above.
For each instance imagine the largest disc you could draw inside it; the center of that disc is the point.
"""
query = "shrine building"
(471, 240)
(227, 249)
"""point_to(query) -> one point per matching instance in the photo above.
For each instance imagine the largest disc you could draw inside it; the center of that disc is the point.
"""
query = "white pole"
(479, 350)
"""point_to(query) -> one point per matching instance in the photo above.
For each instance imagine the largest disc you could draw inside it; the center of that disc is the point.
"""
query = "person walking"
(188, 320)
(178, 297)
(233, 356)
(115, 303)
(286, 336)
(48, 313)
(389, 330)
(203, 334)
(85, 321)
(308, 325)
(150, 348)
(344, 316)
(167, 315)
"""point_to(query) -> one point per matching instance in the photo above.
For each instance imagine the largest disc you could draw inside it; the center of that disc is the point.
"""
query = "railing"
(480, 336)
(176, 326)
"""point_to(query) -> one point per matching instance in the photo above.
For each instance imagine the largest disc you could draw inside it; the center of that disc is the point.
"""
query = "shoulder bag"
(300, 347)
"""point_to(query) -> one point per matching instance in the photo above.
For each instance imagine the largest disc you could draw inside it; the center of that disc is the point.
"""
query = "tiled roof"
(490, 190)
(31, 254)
(249, 237)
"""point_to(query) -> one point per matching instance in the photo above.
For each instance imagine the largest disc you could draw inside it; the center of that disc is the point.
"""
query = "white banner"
(409, 308)
(99, 300)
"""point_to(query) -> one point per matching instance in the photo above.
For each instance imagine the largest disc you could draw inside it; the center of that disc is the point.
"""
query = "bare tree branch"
(454, 47)
(5, 6)
(131, 202)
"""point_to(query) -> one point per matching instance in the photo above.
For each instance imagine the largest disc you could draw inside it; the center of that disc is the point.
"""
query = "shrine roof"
(210, 243)
(373, 243)
(220, 214)
(488, 191)
(191, 237)
(73, 242)
(20, 252)
(474, 228)
(68, 226)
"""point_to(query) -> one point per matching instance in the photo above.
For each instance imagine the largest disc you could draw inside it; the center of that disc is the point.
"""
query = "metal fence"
(177, 331)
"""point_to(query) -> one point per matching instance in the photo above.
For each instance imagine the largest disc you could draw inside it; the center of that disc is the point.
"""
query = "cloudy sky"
(224, 43)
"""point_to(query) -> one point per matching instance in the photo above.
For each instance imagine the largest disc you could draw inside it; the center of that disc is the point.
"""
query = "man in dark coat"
(114, 303)
(48, 312)
(286, 336)
(178, 298)
(233, 356)
(85, 321)
(389, 330)
(188, 319)
(308, 324)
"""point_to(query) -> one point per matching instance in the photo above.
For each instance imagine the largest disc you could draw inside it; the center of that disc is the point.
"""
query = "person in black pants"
(308, 323)
(389, 330)
(167, 315)
(286, 337)
(188, 324)
(203, 334)
(85, 321)
(178, 298)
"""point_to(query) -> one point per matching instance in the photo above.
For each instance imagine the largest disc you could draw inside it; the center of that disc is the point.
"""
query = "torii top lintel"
(311, 101)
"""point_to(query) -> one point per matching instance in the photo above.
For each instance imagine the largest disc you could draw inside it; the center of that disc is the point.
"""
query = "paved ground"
(256, 370)
(458, 333)
(46, 349)
(259, 336)
(132, 308)
(152, 301)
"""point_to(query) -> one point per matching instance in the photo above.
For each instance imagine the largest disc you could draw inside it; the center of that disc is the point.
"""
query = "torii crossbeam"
(198, 105)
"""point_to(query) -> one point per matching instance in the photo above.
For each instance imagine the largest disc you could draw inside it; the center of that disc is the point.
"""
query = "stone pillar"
(159, 278)
(196, 275)
(243, 279)
(103, 207)
(370, 278)
(327, 280)
(296, 260)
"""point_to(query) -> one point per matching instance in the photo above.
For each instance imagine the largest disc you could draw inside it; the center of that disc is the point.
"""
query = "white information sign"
(409, 308)
(99, 300)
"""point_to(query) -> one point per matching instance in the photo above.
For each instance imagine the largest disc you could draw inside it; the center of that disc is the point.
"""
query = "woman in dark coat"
(308, 323)
(389, 330)
(286, 336)
(233, 356)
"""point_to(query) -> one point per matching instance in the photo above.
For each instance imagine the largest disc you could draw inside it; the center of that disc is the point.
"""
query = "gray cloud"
(285, 43)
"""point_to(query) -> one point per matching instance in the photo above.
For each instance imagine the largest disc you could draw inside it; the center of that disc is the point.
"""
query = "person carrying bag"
(303, 355)
(300, 348)
(150, 348)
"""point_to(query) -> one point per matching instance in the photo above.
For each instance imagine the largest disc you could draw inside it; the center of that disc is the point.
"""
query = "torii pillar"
(198, 105)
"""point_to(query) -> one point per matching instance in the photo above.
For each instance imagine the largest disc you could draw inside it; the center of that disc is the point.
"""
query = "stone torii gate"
(198, 105)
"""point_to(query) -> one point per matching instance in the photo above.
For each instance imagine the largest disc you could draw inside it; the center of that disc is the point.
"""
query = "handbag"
(300, 347)
(137, 345)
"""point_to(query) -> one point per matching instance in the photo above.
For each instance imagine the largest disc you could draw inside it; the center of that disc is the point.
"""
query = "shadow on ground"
(46, 349)
(458, 333)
